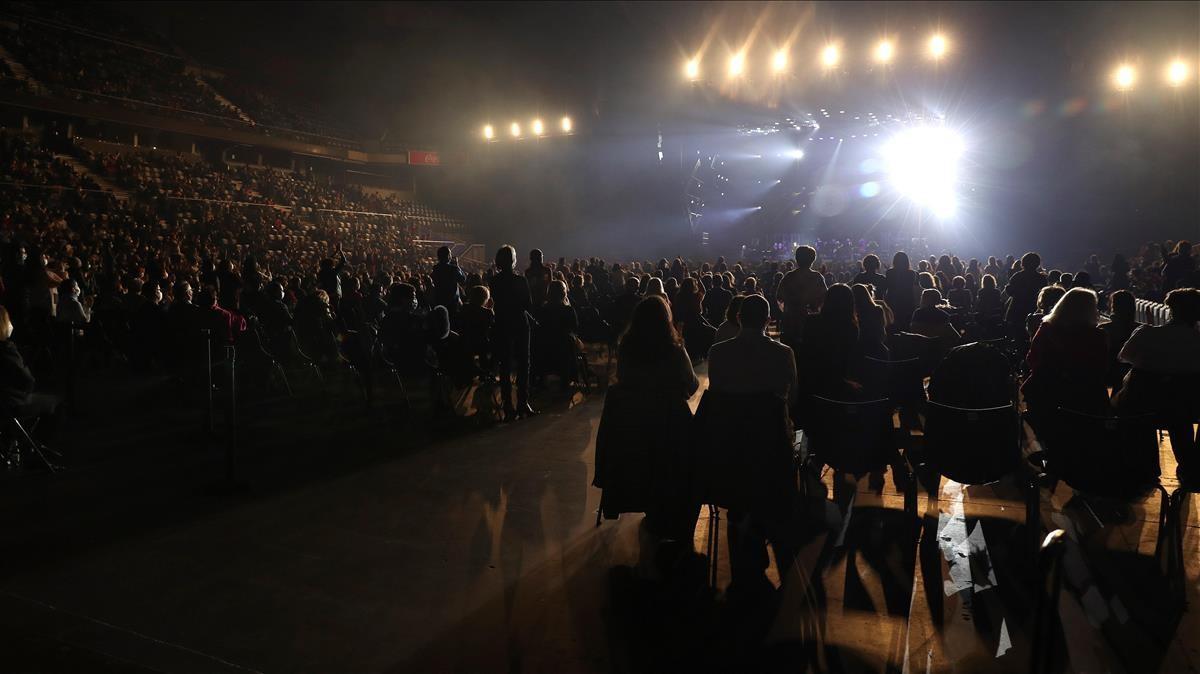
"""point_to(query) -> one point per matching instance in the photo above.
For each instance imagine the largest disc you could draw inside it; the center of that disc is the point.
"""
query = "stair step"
(79, 167)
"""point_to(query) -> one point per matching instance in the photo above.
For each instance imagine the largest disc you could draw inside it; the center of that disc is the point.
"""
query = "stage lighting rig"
(779, 62)
(885, 51)
(938, 46)
(565, 125)
(1177, 73)
(488, 132)
(691, 69)
(830, 56)
(1124, 77)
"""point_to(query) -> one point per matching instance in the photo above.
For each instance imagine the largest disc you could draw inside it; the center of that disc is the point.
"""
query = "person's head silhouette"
(753, 314)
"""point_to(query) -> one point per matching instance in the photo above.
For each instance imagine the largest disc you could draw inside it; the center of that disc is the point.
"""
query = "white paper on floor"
(1005, 640)
(958, 547)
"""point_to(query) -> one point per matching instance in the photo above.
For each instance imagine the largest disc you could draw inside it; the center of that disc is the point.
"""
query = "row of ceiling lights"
(884, 52)
(537, 128)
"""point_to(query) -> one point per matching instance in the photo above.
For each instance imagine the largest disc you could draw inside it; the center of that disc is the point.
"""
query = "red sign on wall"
(424, 158)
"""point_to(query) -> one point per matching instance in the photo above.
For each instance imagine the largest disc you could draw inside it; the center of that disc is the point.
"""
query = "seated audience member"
(315, 328)
(989, 304)
(1166, 376)
(70, 309)
(449, 356)
(697, 332)
(872, 322)
(400, 331)
(750, 364)
(730, 327)
(1120, 325)
(932, 320)
(557, 340)
(1047, 298)
(475, 324)
(621, 309)
(959, 296)
(1067, 360)
(226, 326)
(148, 329)
(642, 457)
(716, 300)
(17, 383)
(1022, 289)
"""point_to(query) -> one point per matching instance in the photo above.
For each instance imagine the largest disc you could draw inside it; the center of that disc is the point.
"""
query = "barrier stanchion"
(231, 417)
(209, 424)
(71, 366)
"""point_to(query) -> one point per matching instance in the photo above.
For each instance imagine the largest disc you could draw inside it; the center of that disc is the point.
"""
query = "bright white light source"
(830, 56)
(538, 127)
(796, 154)
(566, 124)
(737, 63)
(1124, 77)
(779, 61)
(937, 46)
(1177, 73)
(488, 132)
(515, 130)
(922, 165)
(692, 69)
(884, 51)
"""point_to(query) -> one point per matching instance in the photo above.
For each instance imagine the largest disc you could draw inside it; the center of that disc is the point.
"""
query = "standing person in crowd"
(649, 418)
(872, 322)
(329, 276)
(621, 308)
(538, 276)
(558, 327)
(1178, 266)
(1047, 298)
(870, 273)
(70, 309)
(716, 300)
(447, 277)
(510, 335)
(831, 347)
(1158, 355)
(730, 327)
(475, 325)
(749, 364)
(17, 395)
(801, 291)
(900, 289)
(1022, 290)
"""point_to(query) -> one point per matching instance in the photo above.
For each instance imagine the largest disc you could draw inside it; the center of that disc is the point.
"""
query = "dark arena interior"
(599, 337)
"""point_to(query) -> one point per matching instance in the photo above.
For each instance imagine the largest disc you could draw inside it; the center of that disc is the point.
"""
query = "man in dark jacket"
(1023, 289)
(510, 334)
(447, 277)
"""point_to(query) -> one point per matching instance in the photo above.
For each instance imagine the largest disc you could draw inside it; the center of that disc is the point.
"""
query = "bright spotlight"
(538, 127)
(1177, 73)
(937, 46)
(1124, 77)
(566, 124)
(830, 56)
(922, 164)
(796, 154)
(488, 132)
(692, 69)
(737, 63)
(515, 130)
(779, 61)
(884, 51)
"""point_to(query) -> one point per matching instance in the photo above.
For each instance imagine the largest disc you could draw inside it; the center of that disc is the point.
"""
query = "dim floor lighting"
(566, 124)
(830, 56)
(488, 132)
(737, 63)
(779, 61)
(1177, 73)
(515, 130)
(1124, 77)
(884, 51)
(937, 46)
(538, 127)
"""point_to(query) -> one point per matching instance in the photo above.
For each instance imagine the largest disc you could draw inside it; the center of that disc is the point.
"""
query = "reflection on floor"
(481, 553)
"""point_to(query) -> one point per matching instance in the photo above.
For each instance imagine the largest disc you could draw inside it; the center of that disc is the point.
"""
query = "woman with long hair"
(641, 445)
(872, 322)
(900, 290)
(557, 342)
(830, 347)
(1068, 358)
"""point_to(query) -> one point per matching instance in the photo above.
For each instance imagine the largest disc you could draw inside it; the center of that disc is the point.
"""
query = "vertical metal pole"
(71, 366)
(231, 439)
(209, 425)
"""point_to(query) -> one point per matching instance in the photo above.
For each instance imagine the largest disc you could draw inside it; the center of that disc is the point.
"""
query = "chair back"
(908, 345)
(972, 445)
(853, 437)
(742, 446)
(901, 381)
(1106, 456)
